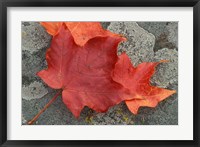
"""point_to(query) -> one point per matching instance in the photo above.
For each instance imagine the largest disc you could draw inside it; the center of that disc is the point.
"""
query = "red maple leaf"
(137, 80)
(84, 73)
(83, 62)
(81, 31)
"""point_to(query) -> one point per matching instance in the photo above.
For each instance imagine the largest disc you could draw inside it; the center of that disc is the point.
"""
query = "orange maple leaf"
(81, 31)
(137, 80)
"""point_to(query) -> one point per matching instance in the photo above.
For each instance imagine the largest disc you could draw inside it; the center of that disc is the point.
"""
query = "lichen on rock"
(34, 91)
(34, 37)
(140, 43)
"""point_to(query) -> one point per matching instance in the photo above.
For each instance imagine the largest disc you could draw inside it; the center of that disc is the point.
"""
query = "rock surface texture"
(146, 41)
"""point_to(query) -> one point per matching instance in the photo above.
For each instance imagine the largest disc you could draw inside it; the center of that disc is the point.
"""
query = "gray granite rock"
(173, 33)
(139, 44)
(166, 33)
(35, 41)
(105, 24)
(167, 73)
(33, 91)
(34, 37)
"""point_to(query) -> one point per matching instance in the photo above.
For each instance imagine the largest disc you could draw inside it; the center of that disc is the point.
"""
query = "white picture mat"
(182, 131)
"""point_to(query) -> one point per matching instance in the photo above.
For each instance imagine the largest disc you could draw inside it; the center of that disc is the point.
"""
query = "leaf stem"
(45, 107)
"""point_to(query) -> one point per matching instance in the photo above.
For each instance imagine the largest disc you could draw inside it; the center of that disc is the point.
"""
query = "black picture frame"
(4, 4)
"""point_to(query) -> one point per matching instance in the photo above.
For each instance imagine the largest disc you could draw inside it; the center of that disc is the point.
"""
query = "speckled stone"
(167, 73)
(139, 44)
(34, 37)
(166, 33)
(33, 91)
